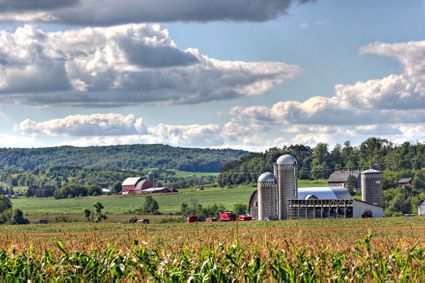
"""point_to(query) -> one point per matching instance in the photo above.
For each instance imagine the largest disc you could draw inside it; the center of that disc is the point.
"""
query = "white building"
(278, 196)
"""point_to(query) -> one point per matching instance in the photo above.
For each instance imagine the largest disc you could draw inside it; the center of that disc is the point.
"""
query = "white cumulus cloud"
(85, 125)
(120, 66)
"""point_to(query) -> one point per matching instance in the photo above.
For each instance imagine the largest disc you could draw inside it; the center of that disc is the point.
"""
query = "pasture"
(125, 204)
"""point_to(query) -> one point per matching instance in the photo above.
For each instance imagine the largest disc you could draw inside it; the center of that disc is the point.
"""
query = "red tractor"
(228, 216)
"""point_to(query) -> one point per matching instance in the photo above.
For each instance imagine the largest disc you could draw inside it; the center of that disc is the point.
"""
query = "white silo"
(286, 183)
(372, 187)
(267, 196)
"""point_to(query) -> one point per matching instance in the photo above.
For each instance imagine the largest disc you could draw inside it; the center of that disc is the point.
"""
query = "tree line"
(127, 157)
(320, 161)
(66, 181)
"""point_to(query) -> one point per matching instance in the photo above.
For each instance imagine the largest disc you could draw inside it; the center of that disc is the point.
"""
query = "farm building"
(404, 182)
(340, 178)
(159, 190)
(278, 197)
(137, 184)
(421, 208)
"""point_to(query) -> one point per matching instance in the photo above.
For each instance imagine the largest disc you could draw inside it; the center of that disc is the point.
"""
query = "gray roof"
(267, 178)
(370, 171)
(404, 180)
(286, 159)
(342, 176)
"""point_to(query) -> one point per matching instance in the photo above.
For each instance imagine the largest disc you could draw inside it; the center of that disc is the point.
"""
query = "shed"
(421, 208)
(340, 178)
(159, 190)
(404, 181)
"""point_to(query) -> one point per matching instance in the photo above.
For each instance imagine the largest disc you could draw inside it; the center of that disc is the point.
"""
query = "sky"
(245, 74)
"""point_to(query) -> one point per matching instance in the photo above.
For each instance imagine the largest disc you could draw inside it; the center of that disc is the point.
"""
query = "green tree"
(5, 203)
(240, 209)
(18, 217)
(320, 160)
(150, 206)
(352, 184)
(87, 214)
(99, 215)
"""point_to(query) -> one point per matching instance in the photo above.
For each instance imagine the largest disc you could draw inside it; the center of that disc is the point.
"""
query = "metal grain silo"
(372, 187)
(286, 183)
(267, 196)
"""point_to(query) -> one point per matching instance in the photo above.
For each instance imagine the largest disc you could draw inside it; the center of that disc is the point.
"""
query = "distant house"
(340, 178)
(135, 185)
(421, 208)
(404, 182)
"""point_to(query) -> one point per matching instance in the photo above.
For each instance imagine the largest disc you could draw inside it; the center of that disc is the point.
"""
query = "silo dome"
(267, 178)
(370, 171)
(286, 159)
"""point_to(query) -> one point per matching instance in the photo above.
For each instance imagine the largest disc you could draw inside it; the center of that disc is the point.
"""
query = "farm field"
(391, 249)
(168, 203)
(197, 174)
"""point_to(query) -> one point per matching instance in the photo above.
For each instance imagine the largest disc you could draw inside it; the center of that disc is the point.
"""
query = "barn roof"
(342, 176)
(324, 193)
(158, 189)
(132, 181)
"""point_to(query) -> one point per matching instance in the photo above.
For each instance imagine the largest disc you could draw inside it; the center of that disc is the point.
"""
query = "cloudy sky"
(247, 74)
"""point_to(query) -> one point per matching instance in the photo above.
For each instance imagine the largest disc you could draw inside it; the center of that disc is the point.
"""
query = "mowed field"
(168, 203)
(391, 249)
(124, 204)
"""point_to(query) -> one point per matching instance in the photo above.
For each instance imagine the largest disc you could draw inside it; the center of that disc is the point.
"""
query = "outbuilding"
(404, 182)
(340, 178)
(421, 208)
(135, 184)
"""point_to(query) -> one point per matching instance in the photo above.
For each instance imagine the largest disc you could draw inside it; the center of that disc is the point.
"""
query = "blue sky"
(279, 72)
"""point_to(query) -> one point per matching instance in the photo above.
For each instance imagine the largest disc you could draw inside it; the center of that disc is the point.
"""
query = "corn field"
(299, 251)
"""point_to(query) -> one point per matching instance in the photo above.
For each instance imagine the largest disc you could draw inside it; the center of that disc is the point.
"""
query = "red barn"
(135, 184)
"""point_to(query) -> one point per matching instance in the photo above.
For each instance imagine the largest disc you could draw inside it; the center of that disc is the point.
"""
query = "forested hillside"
(128, 157)
(320, 161)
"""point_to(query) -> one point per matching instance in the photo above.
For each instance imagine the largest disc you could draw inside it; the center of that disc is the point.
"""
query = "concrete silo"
(372, 187)
(286, 183)
(267, 196)
(151, 178)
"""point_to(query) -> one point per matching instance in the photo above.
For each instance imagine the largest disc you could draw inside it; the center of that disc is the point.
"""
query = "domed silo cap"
(267, 178)
(286, 159)
(371, 171)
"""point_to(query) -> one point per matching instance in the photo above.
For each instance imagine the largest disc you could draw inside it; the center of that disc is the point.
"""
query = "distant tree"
(18, 217)
(419, 180)
(5, 203)
(97, 215)
(116, 188)
(352, 183)
(98, 212)
(240, 209)
(87, 214)
(150, 206)
(320, 159)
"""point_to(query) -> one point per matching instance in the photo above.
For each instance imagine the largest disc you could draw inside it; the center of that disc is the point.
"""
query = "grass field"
(168, 203)
(391, 249)
(197, 174)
